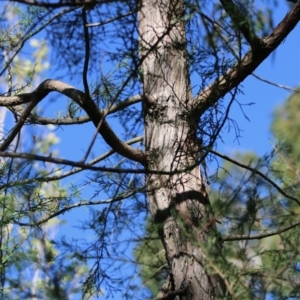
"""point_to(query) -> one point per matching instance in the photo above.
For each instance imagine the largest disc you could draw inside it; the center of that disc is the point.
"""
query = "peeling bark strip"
(179, 201)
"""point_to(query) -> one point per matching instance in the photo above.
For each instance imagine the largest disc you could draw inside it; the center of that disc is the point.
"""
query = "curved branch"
(90, 108)
(266, 178)
(242, 69)
(228, 238)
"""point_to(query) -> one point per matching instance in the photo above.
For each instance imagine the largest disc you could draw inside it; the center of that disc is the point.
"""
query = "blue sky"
(282, 67)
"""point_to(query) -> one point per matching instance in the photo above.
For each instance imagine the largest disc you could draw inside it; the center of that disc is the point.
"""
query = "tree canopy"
(111, 117)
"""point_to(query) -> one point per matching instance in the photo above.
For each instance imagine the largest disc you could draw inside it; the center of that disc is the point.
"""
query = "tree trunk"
(178, 201)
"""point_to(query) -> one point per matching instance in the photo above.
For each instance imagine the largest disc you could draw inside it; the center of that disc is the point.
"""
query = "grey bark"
(179, 202)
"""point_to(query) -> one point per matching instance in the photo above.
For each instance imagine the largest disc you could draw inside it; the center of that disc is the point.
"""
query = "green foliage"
(33, 15)
(34, 260)
(286, 120)
(31, 263)
(11, 37)
(246, 204)
(150, 254)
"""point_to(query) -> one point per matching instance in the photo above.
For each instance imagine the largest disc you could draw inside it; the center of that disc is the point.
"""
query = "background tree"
(29, 248)
(158, 48)
(239, 198)
(262, 255)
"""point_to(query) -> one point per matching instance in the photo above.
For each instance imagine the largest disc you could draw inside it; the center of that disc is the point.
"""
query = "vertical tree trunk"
(178, 201)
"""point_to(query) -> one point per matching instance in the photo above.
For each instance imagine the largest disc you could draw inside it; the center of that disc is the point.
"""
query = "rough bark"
(179, 202)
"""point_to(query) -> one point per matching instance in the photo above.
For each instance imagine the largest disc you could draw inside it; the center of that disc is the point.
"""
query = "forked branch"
(85, 102)
(242, 69)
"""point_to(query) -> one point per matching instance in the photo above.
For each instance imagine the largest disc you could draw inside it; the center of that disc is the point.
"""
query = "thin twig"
(228, 238)
(48, 178)
(110, 20)
(35, 119)
(278, 188)
(30, 35)
(83, 203)
(285, 87)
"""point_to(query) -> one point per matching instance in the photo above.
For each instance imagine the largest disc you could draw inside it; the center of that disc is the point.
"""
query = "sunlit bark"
(179, 202)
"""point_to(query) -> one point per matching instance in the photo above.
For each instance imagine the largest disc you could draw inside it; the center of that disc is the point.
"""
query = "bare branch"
(253, 58)
(228, 238)
(90, 108)
(277, 84)
(110, 20)
(71, 163)
(278, 188)
(84, 203)
(126, 103)
(48, 178)
(15, 100)
(34, 119)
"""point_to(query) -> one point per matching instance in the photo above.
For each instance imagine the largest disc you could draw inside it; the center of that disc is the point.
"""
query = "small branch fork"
(260, 49)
